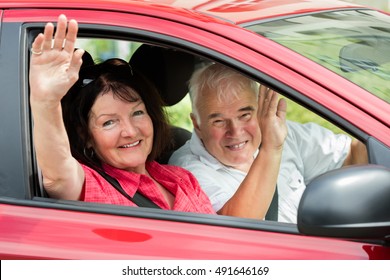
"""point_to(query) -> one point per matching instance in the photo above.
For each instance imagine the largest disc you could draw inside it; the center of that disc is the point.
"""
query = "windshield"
(353, 43)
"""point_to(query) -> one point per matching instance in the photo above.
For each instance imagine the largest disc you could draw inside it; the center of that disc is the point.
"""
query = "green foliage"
(300, 114)
(102, 49)
(179, 115)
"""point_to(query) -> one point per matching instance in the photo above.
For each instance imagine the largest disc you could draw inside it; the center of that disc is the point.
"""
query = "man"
(229, 127)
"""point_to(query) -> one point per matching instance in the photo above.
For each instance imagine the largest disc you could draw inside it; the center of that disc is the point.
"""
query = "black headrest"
(87, 59)
(169, 69)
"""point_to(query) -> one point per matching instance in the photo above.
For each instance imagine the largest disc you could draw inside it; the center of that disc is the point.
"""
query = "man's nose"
(233, 128)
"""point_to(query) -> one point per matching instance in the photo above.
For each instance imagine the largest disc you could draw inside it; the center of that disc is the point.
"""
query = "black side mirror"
(351, 202)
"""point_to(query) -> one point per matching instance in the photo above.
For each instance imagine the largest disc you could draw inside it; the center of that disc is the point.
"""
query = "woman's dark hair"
(116, 76)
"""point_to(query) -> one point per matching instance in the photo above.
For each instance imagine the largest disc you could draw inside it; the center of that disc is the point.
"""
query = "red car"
(330, 57)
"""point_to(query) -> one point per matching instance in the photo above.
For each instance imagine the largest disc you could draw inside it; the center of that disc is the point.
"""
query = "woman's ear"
(85, 139)
(89, 144)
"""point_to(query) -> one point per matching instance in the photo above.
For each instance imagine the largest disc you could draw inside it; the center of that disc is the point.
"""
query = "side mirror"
(368, 54)
(351, 202)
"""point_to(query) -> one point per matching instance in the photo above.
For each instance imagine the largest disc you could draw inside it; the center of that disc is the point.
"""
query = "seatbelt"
(139, 199)
(272, 213)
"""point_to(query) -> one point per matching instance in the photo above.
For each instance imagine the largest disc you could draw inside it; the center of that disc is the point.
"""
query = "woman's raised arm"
(54, 68)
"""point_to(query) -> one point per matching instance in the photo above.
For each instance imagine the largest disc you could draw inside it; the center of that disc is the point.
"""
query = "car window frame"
(164, 40)
(39, 198)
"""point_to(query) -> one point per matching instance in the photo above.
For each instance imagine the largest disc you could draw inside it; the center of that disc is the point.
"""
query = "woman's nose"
(128, 129)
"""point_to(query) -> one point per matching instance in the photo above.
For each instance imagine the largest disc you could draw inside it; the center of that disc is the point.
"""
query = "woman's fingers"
(75, 63)
(36, 46)
(71, 36)
(60, 34)
(54, 64)
(48, 36)
(64, 38)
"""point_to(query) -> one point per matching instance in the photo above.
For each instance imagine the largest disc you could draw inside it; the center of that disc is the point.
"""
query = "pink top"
(189, 197)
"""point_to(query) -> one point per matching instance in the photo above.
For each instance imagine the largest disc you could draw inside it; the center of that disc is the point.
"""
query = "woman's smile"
(130, 145)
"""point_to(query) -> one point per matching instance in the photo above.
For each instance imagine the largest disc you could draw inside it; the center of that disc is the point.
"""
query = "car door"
(35, 226)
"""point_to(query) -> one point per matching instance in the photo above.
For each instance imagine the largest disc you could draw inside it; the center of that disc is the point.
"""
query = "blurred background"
(378, 4)
(179, 114)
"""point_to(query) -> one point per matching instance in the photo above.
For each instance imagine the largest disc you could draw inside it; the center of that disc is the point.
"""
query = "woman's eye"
(108, 123)
(139, 113)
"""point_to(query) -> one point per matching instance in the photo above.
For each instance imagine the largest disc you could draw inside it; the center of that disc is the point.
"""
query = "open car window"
(178, 107)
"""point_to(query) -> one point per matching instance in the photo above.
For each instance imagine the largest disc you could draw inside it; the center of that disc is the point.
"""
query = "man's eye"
(246, 116)
(219, 123)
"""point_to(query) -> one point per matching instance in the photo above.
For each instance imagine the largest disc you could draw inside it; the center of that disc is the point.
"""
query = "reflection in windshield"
(353, 43)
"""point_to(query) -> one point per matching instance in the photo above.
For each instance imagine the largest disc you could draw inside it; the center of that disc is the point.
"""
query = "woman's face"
(122, 132)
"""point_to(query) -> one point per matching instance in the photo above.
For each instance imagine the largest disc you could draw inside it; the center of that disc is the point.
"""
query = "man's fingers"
(262, 93)
(282, 109)
(268, 103)
(273, 104)
(263, 90)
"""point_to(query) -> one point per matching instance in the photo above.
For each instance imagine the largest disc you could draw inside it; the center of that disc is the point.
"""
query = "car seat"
(169, 70)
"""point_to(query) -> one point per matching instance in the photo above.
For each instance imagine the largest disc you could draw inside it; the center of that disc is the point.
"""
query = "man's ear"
(195, 124)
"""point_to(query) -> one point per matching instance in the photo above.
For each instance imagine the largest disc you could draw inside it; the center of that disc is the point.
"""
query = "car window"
(354, 44)
(102, 49)
(179, 114)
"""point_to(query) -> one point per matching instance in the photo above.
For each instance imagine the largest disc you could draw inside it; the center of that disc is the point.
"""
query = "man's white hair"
(217, 79)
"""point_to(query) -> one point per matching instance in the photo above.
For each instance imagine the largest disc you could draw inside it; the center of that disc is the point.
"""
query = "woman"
(101, 128)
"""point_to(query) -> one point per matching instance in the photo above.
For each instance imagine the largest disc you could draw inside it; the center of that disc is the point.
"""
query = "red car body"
(32, 228)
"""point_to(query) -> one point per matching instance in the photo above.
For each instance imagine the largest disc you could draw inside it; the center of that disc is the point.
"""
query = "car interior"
(169, 70)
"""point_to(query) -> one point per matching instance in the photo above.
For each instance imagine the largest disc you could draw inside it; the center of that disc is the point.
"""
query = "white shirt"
(309, 150)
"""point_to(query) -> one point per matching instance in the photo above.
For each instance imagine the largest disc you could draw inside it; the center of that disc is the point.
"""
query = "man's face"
(228, 127)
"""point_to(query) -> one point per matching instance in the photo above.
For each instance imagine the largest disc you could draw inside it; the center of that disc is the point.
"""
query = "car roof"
(237, 12)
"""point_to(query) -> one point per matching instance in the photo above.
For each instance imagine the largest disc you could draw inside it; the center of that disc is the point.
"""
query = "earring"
(91, 152)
